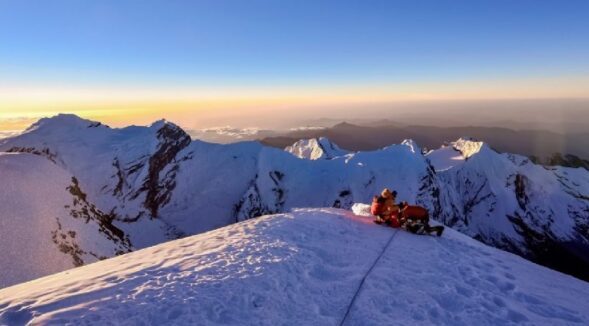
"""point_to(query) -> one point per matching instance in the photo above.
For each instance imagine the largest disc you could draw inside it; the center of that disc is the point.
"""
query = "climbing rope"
(366, 275)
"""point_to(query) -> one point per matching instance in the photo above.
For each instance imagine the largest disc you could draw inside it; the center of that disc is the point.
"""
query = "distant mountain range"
(544, 147)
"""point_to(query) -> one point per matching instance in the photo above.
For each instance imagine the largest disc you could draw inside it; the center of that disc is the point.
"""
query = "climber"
(414, 219)
(385, 209)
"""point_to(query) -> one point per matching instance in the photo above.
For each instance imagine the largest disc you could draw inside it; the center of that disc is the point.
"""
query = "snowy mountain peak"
(412, 145)
(468, 147)
(63, 121)
(456, 153)
(162, 123)
(315, 149)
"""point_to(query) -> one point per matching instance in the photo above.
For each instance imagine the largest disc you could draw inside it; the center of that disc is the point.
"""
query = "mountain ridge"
(155, 185)
(524, 142)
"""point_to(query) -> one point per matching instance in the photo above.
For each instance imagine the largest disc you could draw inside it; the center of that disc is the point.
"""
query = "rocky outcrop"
(162, 167)
(44, 152)
(82, 209)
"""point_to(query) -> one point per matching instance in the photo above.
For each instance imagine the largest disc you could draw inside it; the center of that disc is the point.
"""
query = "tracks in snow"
(384, 249)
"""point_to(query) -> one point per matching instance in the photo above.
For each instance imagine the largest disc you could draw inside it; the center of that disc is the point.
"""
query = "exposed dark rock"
(158, 191)
(95, 125)
(45, 152)
(67, 241)
(520, 191)
(120, 175)
(66, 244)
(82, 209)
(251, 204)
(345, 200)
(546, 249)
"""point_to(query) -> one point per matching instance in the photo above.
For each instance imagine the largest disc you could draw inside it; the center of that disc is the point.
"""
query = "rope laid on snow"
(366, 275)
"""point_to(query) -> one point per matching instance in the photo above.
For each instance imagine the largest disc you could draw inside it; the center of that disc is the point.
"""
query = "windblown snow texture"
(304, 268)
(141, 186)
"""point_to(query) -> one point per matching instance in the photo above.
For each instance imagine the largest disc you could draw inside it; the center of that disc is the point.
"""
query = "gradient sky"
(221, 61)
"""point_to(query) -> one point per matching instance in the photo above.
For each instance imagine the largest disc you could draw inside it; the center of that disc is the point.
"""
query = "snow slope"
(447, 157)
(45, 223)
(301, 268)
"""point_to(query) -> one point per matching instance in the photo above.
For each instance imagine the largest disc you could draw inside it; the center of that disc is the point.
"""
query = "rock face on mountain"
(147, 185)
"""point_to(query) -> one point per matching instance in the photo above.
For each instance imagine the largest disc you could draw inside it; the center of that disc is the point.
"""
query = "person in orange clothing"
(414, 219)
(385, 209)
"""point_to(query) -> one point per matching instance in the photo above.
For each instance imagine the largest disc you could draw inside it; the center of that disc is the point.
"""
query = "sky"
(205, 63)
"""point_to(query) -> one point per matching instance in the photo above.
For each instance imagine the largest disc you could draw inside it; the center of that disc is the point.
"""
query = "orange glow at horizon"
(19, 105)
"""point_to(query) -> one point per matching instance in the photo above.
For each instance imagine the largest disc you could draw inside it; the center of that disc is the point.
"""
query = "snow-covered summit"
(310, 266)
(412, 145)
(315, 149)
(63, 120)
(468, 147)
(159, 124)
(455, 153)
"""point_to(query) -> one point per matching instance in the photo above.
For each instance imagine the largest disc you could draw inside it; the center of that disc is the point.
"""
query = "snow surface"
(304, 268)
(38, 234)
(445, 158)
(28, 207)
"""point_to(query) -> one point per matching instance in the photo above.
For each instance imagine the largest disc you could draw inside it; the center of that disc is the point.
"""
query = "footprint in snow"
(509, 276)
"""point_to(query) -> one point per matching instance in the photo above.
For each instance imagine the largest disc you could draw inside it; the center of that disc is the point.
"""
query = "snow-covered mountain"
(507, 201)
(307, 267)
(315, 149)
(155, 184)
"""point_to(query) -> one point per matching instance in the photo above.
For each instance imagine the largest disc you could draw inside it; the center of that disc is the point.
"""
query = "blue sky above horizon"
(287, 48)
